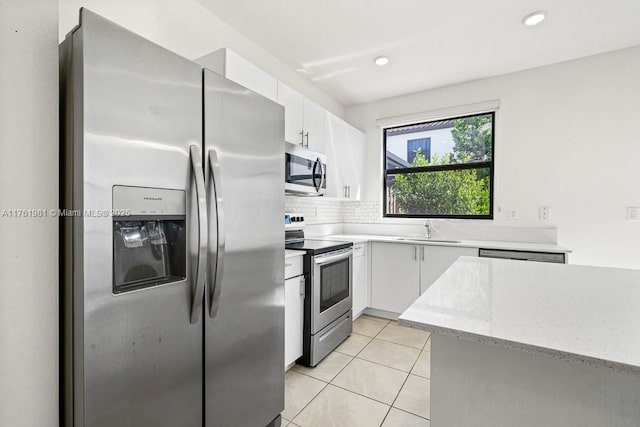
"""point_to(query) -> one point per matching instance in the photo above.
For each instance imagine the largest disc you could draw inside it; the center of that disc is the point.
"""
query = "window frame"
(438, 168)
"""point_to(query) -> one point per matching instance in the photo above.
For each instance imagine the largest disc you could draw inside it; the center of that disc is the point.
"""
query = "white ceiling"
(431, 43)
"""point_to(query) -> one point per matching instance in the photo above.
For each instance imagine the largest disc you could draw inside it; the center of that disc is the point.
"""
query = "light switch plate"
(633, 214)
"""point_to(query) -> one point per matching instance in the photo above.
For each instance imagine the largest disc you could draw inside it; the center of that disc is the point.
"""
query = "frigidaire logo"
(152, 198)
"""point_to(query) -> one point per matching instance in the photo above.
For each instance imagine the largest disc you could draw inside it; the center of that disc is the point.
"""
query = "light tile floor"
(378, 377)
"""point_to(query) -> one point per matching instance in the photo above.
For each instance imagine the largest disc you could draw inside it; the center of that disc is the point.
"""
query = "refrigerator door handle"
(198, 293)
(216, 270)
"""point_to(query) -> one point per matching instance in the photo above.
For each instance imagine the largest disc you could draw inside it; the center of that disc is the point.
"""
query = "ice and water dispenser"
(149, 242)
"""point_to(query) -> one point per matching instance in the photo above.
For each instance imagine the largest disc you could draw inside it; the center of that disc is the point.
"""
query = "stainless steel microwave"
(305, 171)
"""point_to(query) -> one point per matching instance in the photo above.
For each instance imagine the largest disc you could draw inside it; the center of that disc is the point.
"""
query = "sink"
(424, 239)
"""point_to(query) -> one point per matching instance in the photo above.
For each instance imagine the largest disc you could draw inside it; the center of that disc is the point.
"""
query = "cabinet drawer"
(358, 250)
(292, 266)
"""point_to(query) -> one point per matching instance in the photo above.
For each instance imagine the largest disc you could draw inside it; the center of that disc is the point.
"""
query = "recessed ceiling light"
(534, 18)
(381, 60)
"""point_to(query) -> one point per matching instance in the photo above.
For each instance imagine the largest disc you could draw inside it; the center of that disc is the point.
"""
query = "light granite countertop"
(486, 244)
(571, 312)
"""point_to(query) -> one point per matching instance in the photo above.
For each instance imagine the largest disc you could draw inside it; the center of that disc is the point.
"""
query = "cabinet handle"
(307, 136)
(344, 191)
(415, 253)
(287, 265)
(348, 191)
(302, 282)
(302, 138)
(422, 252)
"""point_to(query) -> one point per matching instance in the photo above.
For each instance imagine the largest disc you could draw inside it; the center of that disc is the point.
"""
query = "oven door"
(331, 287)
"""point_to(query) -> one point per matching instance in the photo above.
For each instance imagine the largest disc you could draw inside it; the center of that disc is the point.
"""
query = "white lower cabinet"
(294, 288)
(293, 319)
(401, 272)
(437, 259)
(360, 286)
(395, 276)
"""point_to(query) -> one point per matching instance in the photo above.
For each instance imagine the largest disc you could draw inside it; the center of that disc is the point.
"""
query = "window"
(440, 169)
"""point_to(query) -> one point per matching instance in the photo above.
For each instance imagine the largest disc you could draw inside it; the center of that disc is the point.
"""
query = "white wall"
(29, 246)
(567, 136)
(191, 30)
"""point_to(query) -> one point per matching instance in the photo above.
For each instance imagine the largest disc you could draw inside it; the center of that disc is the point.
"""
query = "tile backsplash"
(368, 212)
(333, 216)
(316, 210)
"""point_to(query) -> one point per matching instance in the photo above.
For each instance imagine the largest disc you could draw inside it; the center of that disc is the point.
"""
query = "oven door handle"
(334, 258)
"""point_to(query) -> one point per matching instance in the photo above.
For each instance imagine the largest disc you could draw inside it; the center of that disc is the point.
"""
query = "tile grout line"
(404, 383)
(312, 399)
(325, 386)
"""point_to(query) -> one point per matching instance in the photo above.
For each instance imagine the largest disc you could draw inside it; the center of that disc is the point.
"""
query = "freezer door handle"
(216, 268)
(198, 292)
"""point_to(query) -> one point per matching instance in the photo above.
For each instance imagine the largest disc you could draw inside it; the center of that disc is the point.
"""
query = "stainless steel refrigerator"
(172, 281)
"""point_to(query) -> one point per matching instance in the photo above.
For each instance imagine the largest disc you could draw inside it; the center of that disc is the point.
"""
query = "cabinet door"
(313, 125)
(356, 142)
(248, 75)
(360, 288)
(293, 108)
(293, 319)
(435, 260)
(335, 145)
(395, 276)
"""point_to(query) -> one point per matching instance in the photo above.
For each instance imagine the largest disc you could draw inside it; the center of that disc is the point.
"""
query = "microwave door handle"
(323, 173)
(216, 271)
(198, 292)
(313, 175)
(333, 258)
(319, 164)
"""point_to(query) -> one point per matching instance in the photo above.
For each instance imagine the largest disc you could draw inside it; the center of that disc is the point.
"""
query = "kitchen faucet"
(427, 225)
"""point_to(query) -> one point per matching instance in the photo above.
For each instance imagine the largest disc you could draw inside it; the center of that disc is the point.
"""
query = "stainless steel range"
(328, 268)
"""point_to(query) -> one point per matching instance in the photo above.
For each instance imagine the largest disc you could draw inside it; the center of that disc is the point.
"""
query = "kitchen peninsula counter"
(529, 344)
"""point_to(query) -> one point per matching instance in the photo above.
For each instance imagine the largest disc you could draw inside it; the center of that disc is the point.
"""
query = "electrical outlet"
(511, 213)
(633, 214)
(543, 213)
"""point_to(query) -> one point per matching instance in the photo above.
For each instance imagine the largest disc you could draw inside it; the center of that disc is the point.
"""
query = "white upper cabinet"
(303, 119)
(356, 143)
(238, 69)
(345, 149)
(293, 103)
(335, 146)
(313, 125)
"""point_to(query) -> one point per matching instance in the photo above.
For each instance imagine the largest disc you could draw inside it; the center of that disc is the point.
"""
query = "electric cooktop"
(316, 247)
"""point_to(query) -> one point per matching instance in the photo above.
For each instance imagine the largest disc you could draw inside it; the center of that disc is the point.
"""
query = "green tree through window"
(455, 183)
